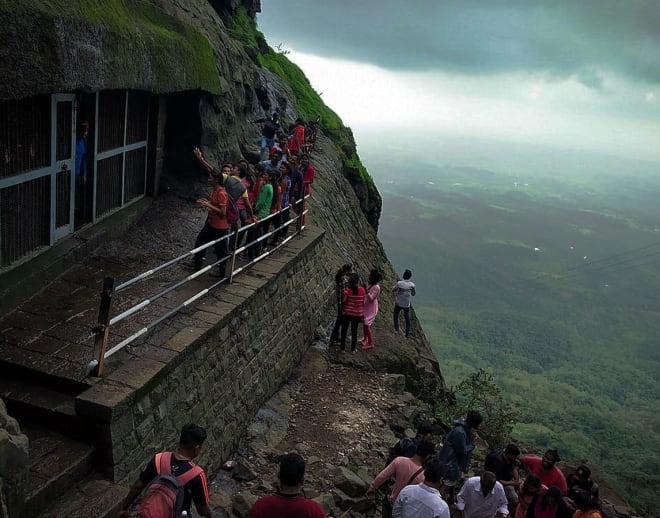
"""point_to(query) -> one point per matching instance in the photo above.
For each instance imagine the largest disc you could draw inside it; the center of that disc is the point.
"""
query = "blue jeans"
(406, 316)
(266, 144)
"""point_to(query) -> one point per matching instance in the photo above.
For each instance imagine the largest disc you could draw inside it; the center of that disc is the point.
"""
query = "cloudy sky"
(578, 74)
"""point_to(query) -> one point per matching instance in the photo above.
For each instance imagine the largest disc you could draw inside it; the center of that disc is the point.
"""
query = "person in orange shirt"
(216, 225)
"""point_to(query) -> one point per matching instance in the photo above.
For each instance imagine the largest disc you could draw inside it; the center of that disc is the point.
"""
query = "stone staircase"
(64, 478)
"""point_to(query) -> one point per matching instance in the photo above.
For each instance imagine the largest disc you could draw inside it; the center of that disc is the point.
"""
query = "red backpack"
(165, 494)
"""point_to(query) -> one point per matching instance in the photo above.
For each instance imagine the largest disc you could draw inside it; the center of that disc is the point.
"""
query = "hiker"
(587, 505)
(423, 500)
(297, 189)
(549, 505)
(544, 468)
(405, 470)
(482, 497)
(457, 449)
(262, 208)
(581, 479)
(404, 289)
(531, 487)
(407, 446)
(341, 282)
(352, 307)
(297, 137)
(289, 499)
(308, 173)
(268, 131)
(231, 184)
(161, 491)
(370, 308)
(274, 161)
(505, 466)
(216, 225)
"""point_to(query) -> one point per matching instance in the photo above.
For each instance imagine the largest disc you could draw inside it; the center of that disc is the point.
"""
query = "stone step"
(44, 405)
(93, 496)
(56, 463)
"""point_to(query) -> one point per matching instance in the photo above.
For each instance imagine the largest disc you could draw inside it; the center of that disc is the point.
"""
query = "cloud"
(558, 39)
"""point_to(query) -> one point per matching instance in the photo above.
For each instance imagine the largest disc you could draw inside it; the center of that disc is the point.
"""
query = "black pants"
(208, 233)
(284, 217)
(334, 335)
(254, 233)
(354, 321)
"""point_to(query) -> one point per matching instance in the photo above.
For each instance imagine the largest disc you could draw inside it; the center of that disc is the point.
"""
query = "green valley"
(550, 283)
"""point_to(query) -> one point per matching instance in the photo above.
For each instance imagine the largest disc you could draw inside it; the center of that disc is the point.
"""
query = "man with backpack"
(174, 481)
(457, 449)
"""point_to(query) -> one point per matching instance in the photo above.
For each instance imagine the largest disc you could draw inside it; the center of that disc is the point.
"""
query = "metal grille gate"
(37, 162)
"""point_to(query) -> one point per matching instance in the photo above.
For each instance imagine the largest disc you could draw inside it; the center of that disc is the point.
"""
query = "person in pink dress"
(371, 308)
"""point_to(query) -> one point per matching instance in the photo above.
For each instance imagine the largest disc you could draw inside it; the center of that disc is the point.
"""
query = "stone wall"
(13, 464)
(239, 346)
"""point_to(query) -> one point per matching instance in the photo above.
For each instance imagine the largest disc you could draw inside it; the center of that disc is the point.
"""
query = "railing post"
(233, 256)
(102, 330)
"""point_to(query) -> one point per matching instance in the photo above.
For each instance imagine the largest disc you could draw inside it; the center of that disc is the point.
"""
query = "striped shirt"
(353, 304)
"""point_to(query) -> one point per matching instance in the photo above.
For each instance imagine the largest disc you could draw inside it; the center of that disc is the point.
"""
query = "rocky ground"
(342, 419)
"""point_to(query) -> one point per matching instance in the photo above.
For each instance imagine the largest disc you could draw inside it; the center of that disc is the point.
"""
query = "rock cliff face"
(208, 48)
(207, 58)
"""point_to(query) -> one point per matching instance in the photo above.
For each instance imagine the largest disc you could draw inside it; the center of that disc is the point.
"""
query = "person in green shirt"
(262, 210)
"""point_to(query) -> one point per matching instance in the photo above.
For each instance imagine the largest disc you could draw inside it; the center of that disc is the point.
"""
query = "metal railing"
(105, 322)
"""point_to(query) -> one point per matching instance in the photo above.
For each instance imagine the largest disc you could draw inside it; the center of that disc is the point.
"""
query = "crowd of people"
(247, 194)
(357, 303)
(425, 482)
(499, 491)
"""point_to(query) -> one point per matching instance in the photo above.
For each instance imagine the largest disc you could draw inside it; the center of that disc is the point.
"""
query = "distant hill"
(551, 284)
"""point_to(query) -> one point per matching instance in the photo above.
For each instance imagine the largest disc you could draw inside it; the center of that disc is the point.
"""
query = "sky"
(581, 75)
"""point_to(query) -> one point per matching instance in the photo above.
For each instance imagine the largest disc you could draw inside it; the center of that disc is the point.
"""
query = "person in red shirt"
(297, 138)
(352, 310)
(289, 500)
(216, 225)
(544, 468)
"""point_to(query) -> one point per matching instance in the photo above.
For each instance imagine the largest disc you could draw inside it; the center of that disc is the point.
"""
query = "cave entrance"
(183, 132)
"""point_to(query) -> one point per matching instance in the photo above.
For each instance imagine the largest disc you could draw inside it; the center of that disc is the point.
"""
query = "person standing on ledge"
(403, 289)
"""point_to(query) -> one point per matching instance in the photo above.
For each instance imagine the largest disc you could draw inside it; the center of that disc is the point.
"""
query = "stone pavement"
(50, 333)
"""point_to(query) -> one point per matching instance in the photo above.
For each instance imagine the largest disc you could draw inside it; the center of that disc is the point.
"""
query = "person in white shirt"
(482, 497)
(403, 289)
(423, 500)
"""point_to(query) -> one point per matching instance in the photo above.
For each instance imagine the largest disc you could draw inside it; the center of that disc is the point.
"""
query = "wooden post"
(102, 330)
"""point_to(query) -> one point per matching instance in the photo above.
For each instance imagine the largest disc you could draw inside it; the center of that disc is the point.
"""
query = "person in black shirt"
(190, 445)
(505, 466)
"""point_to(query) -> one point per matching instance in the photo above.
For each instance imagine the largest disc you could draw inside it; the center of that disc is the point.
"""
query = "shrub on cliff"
(480, 392)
